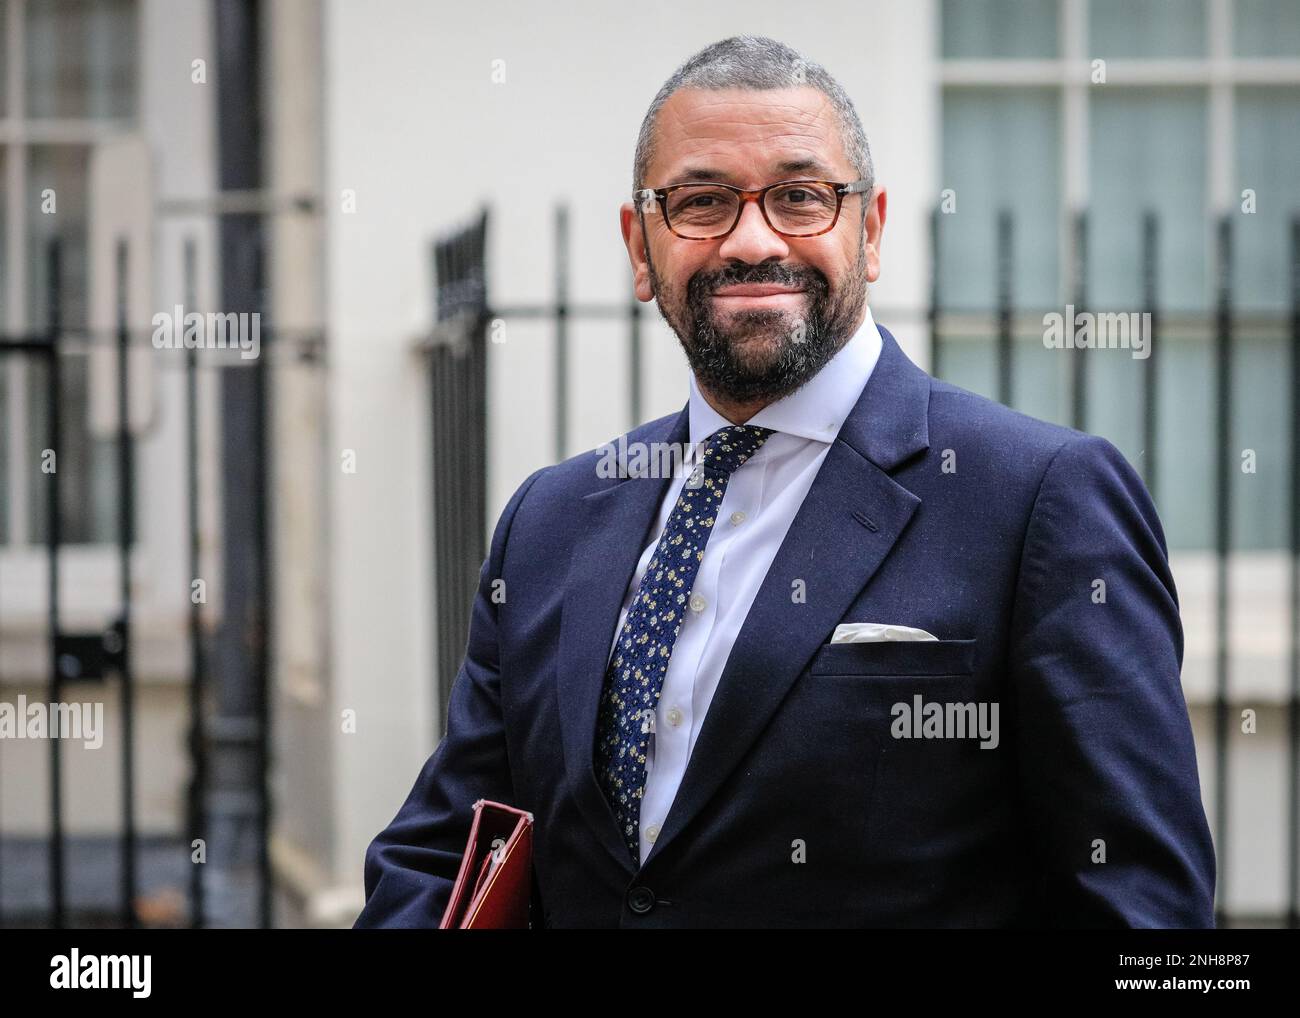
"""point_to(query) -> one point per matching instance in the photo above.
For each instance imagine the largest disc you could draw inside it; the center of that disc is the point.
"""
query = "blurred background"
(262, 566)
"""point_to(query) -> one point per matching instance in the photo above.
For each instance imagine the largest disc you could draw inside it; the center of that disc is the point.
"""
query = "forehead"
(747, 137)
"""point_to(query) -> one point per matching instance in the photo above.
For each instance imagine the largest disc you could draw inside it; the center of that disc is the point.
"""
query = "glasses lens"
(701, 210)
(801, 208)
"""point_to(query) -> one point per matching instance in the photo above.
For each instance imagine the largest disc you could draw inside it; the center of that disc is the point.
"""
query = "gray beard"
(806, 345)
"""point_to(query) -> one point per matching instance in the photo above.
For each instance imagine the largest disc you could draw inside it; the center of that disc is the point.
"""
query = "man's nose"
(753, 240)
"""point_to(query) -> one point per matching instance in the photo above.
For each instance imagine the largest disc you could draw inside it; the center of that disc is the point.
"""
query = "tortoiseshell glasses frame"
(647, 195)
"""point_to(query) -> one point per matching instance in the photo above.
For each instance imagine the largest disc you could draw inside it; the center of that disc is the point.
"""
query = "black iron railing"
(234, 729)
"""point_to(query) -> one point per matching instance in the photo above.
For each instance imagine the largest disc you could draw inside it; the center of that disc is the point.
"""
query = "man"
(996, 736)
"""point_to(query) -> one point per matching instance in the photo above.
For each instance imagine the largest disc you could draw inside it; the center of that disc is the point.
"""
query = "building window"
(69, 82)
(1000, 28)
(1124, 109)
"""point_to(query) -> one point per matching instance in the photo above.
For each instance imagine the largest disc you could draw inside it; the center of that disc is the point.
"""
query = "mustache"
(803, 277)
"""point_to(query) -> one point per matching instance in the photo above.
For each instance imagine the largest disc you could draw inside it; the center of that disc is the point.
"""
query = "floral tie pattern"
(636, 671)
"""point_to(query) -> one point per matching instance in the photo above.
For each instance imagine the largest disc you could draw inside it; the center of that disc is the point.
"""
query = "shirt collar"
(818, 408)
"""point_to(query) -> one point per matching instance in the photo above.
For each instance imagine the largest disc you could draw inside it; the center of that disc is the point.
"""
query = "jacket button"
(640, 900)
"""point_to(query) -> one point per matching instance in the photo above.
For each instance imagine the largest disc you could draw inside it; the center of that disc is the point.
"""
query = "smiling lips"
(757, 295)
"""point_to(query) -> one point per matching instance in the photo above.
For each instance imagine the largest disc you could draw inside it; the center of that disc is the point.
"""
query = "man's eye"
(804, 196)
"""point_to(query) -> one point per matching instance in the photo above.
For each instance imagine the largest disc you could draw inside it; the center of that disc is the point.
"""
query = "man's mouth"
(757, 295)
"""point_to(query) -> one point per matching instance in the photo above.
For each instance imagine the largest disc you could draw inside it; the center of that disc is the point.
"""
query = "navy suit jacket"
(935, 508)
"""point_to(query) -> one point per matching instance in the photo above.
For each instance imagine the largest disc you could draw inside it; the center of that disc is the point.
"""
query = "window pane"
(57, 178)
(81, 58)
(1268, 154)
(86, 465)
(1039, 375)
(1186, 432)
(1260, 421)
(1147, 28)
(1267, 28)
(1147, 152)
(1001, 150)
(1114, 399)
(1268, 163)
(1000, 28)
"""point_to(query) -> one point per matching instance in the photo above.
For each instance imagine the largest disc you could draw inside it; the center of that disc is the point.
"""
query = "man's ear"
(874, 228)
(638, 249)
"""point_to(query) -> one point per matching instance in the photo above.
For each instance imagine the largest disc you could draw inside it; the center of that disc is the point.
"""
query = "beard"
(761, 355)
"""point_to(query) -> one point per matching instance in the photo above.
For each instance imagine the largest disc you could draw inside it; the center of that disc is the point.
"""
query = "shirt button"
(674, 716)
(737, 518)
(698, 603)
(651, 833)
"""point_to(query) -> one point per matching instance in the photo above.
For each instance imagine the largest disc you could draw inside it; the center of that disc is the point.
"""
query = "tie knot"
(727, 448)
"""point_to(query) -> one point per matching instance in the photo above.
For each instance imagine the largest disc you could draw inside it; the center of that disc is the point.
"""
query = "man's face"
(758, 314)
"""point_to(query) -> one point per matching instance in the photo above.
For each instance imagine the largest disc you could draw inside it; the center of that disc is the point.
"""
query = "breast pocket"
(896, 657)
(829, 744)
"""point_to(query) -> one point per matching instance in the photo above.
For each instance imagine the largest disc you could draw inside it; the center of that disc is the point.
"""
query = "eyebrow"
(812, 166)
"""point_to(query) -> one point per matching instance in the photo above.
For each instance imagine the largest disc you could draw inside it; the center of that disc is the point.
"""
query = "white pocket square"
(876, 632)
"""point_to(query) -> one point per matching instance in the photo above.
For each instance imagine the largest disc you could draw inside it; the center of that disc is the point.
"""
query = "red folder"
(493, 886)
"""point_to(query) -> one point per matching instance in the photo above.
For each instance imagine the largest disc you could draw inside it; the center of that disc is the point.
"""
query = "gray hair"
(759, 64)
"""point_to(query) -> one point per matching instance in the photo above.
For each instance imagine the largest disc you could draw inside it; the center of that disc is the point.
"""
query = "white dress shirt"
(760, 503)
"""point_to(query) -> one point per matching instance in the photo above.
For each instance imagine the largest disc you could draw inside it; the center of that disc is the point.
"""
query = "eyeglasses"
(792, 208)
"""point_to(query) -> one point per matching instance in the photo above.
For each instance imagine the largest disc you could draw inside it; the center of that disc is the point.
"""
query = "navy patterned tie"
(636, 671)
